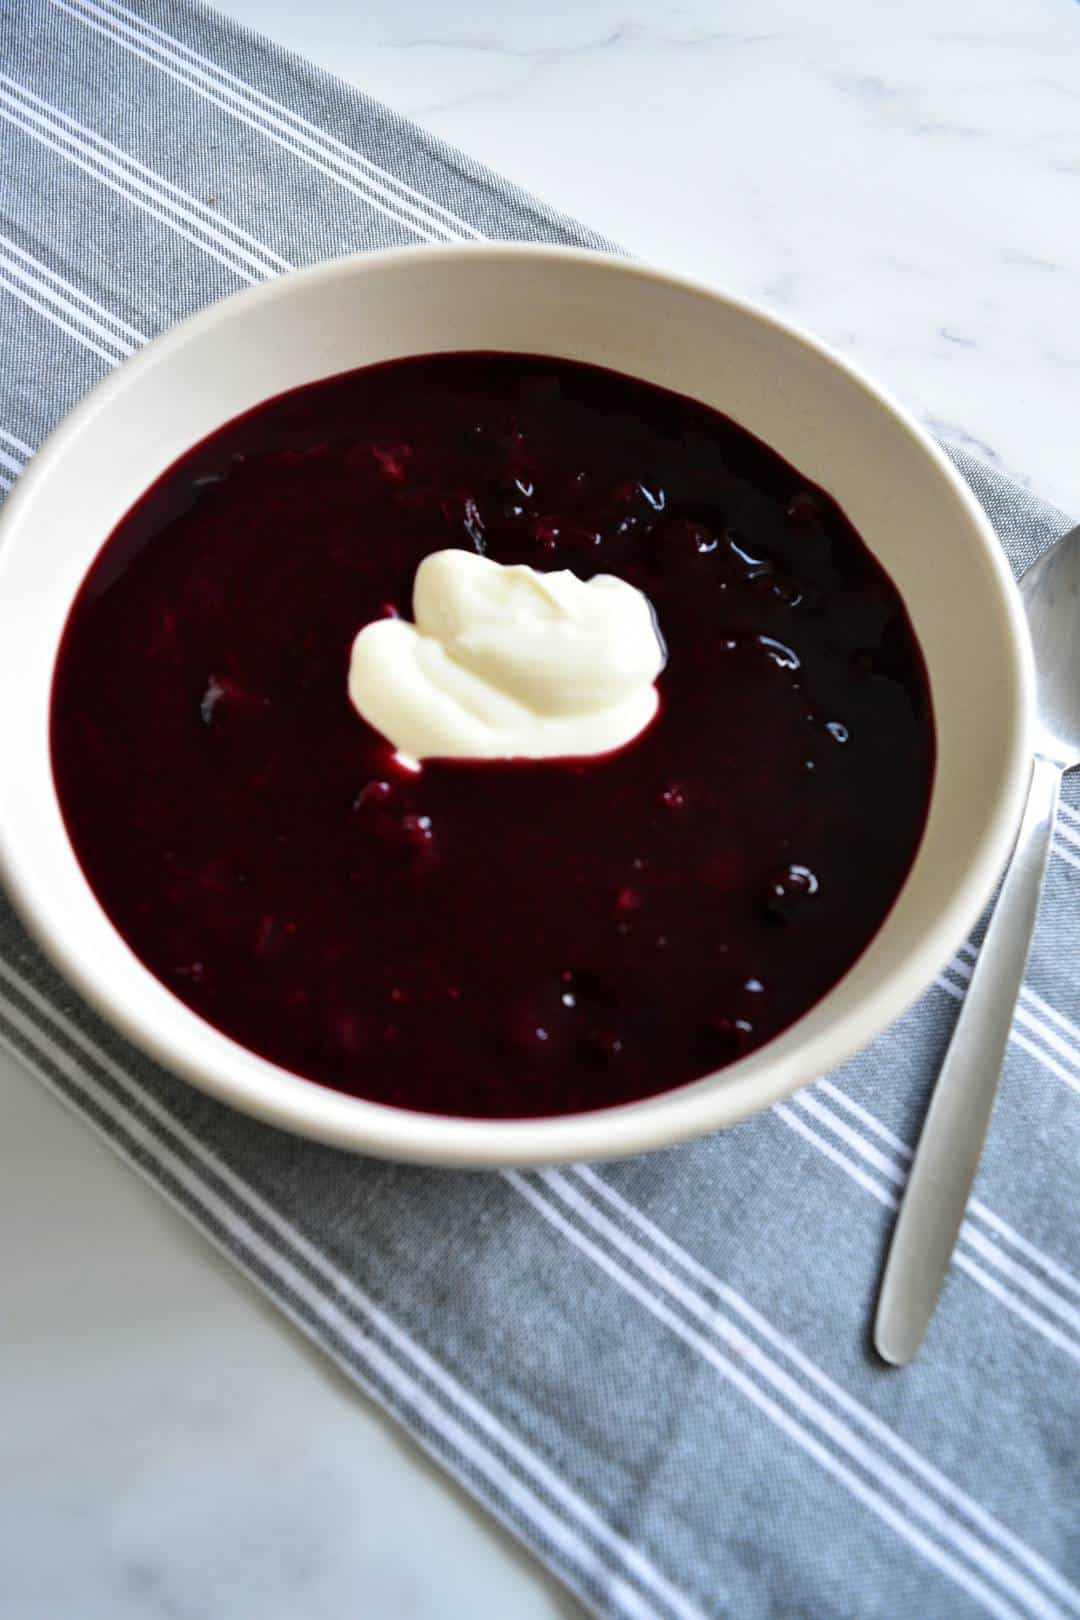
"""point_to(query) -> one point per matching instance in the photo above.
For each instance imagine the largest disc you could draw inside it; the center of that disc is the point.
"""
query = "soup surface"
(496, 939)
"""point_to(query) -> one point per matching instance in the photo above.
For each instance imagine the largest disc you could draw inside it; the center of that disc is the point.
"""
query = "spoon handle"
(943, 1169)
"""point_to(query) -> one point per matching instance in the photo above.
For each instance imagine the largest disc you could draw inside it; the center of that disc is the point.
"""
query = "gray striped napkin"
(657, 1373)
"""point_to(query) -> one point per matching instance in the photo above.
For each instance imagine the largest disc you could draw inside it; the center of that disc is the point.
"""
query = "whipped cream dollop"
(506, 662)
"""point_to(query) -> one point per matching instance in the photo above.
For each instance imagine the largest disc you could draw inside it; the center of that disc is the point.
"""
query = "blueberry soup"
(733, 738)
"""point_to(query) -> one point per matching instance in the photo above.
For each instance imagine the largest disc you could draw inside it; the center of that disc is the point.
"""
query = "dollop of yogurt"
(506, 662)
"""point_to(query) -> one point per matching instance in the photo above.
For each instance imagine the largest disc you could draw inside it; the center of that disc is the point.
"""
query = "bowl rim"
(308, 1108)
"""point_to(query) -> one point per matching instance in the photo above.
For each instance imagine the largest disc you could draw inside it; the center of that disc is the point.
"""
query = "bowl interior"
(901, 494)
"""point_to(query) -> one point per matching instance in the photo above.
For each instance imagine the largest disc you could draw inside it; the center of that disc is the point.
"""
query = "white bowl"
(903, 496)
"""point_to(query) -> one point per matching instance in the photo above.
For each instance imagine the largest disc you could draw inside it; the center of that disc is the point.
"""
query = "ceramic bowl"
(841, 431)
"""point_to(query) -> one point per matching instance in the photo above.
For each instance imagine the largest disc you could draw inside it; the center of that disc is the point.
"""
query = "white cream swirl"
(509, 663)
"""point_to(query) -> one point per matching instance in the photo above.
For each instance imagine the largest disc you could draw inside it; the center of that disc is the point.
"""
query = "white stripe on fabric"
(885, 1195)
(841, 1436)
(13, 464)
(1022, 1277)
(104, 179)
(1039, 1003)
(963, 965)
(968, 1233)
(976, 1207)
(1069, 832)
(94, 315)
(1026, 1016)
(839, 1127)
(1017, 1306)
(1025, 1044)
(26, 297)
(113, 157)
(1052, 1268)
(1066, 854)
(1061, 851)
(46, 127)
(13, 250)
(201, 85)
(142, 1103)
(1067, 812)
(870, 1120)
(18, 444)
(875, 1425)
(36, 281)
(299, 125)
(1042, 1005)
(736, 1375)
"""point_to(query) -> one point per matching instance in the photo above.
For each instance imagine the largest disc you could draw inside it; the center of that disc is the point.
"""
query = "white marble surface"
(902, 180)
(905, 181)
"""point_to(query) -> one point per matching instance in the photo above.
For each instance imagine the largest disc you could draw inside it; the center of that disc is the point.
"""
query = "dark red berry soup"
(478, 938)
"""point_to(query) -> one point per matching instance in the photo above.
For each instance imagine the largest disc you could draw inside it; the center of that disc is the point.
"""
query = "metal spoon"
(944, 1166)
